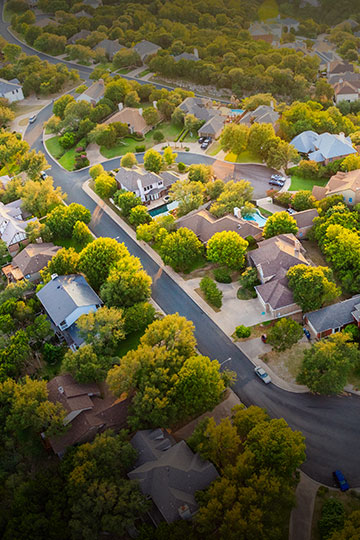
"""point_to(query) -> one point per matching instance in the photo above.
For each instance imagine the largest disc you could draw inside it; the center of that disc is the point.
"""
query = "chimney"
(342, 135)
(121, 106)
(196, 53)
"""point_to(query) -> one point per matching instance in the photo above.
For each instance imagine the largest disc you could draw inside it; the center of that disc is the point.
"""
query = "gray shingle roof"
(212, 126)
(324, 146)
(334, 316)
(199, 107)
(7, 86)
(129, 178)
(62, 295)
(171, 475)
(34, 257)
(111, 47)
(186, 56)
(145, 48)
(264, 114)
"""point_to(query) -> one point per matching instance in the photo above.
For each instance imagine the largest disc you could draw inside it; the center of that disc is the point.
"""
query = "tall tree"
(97, 258)
(280, 223)
(312, 286)
(181, 249)
(227, 248)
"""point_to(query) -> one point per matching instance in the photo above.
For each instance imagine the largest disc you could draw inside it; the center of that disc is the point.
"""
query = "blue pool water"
(163, 209)
(237, 111)
(258, 218)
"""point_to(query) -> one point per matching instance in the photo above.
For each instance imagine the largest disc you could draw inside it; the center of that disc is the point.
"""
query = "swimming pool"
(164, 209)
(237, 111)
(257, 217)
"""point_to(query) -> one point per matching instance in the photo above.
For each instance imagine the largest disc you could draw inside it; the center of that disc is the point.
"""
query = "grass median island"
(66, 158)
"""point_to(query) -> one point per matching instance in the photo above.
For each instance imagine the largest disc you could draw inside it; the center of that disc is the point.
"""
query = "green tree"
(235, 138)
(11, 52)
(312, 286)
(303, 200)
(126, 200)
(234, 194)
(139, 215)
(128, 160)
(188, 194)
(138, 317)
(151, 116)
(61, 104)
(126, 284)
(153, 161)
(192, 123)
(200, 173)
(97, 258)
(284, 334)
(116, 90)
(326, 365)
(33, 163)
(81, 233)
(169, 156)
(103, 329)
(227, 248)
(351, 528)
(96, 170)
(105, 185)
(85, 365)
(332, 518)
(181, 249)
(280, 153)
(212, 294)
(62, 219)
(280, 223)
(259, 134)
(213, 189)
(39, 198)
(66, 261)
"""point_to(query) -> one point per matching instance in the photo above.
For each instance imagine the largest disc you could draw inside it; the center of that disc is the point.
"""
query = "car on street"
(291, 211)
(43, 175)
(340, 480)
(278, 177)
(278, 183)
(32, 119)
(260, 372)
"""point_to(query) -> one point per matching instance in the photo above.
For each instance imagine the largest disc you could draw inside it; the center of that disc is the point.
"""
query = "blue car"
(340, 480)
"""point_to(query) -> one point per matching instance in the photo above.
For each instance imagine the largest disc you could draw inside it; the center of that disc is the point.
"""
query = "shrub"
(251, 241)
(332, 518)
(249, 279)
(222, 275)
(242, 331)
(158, 136)
(212, 294)
(181, 167)
(81, 162)
(67, 140)
(283, 199)
(140, 148)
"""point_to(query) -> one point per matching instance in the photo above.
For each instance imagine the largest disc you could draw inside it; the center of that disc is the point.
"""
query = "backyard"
(298, 183)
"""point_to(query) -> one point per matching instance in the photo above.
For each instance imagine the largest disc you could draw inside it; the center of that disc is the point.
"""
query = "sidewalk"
(185, 285)
(301, 515)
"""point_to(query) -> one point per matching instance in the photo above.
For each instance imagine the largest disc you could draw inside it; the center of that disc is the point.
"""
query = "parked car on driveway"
(201, 140)
(340, 480)
(204, 145)
(260, 372)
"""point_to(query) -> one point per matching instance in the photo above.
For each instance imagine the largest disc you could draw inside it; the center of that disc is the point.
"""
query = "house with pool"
(147, 185)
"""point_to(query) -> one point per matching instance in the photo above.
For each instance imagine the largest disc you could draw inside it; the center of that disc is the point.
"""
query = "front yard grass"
(350, 500)
(65, 158)
(124, 71)
(54, 147)
(298, 183)
(213, 149)
(68, 243)
(244, 157)
(143, 73)
(287, 363)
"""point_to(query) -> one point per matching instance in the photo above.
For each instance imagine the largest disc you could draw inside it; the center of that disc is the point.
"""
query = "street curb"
(170, 272)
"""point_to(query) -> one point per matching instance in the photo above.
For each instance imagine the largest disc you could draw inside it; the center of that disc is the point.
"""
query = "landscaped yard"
(214, 149)
(143, 73)
(298, 183)
(350, 500)
(124, 71)
(128, 144)
(244, 157)
(287, 364)
(68, 243)
(65, 158)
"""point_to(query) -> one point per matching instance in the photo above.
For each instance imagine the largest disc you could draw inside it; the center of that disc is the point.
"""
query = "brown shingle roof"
(132, 117)
(341, 181)
(276, 293)
(34, 257)
(306, 217)
(204, 225)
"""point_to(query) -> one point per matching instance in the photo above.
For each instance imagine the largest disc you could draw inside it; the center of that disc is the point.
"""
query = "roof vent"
(61, 389)
(54, 276)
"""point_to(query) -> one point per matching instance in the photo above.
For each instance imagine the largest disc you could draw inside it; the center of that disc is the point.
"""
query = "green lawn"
(129, 344)
(299, 183)
(214, 149)
(143, 73)
(128, 144)
(244, 157)
(66, 159)
(68, 243)
(124, 71)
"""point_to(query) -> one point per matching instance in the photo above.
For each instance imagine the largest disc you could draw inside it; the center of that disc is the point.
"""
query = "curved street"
(331, 425)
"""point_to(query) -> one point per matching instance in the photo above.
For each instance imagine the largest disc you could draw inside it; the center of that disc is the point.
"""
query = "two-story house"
(147, 185)
(11, 90)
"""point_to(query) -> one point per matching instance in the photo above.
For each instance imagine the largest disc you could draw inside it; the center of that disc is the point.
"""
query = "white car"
(260, 372)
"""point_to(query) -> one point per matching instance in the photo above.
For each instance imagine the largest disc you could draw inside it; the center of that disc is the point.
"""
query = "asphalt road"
(331, 425)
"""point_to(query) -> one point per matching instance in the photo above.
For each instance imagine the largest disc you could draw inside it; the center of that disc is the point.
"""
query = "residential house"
(272, 259)
(88, 413)
(43, 21)
(213, 127)
(13, 225)
(170, 473)
(194, 57)
(145, 49)
(147, 185)
(94, 93)
(12, 91)
(350, 77)
(313, 3)
(339, 66)
(264, 114)
(286, 22)
(65, 299)
(110, 46)
(323, 148)
(346, 91)
(304, 221)
(345, 184)
(92, 3)
(205, 225)
(83, 34)
(266, 32)
(132, 117)
(83, 13)
(331, 319)
(28, 262)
